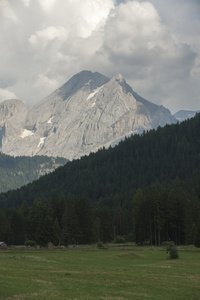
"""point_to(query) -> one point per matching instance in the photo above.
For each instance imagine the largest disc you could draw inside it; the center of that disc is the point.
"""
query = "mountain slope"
(18, 171)
(86, 113)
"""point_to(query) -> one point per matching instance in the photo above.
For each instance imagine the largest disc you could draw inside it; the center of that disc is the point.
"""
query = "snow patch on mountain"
(91, 95)
(50, 121)
(26, 133)
(41, 142)
(88, 83)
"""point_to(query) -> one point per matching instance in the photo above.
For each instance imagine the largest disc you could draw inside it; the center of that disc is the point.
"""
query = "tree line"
(150, 216)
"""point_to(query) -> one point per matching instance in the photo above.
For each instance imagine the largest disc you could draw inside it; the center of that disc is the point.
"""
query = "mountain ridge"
(183, 115)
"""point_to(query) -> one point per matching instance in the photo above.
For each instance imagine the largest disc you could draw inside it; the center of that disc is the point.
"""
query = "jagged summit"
(119, 77)
(86, 113)
(12, 101)
(83, 80)
(10, 107)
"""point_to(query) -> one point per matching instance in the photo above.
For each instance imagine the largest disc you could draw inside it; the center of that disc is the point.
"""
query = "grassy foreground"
(99, 274)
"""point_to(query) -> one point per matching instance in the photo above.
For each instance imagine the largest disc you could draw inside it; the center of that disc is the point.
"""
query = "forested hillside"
(18, 171)
(146, 189)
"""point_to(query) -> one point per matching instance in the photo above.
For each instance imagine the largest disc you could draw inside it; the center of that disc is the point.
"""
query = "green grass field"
(99, 274)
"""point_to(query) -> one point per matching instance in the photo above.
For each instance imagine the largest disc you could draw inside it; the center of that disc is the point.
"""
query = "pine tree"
(106, 228)
(70, 226)
(25, 211)
(85, 220)
(44, 233)
(4, 227)
(17, 225)
(97, 227)
(56, 233)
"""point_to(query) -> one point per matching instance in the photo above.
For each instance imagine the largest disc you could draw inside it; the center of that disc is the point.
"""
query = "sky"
(154, 44)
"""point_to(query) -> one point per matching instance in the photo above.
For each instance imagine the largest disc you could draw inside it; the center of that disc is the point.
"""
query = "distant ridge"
(183, 115)
(19, 171)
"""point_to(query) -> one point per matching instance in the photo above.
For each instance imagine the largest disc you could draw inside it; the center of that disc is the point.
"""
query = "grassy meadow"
(131, 273)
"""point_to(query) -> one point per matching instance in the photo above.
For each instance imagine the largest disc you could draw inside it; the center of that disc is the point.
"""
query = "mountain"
(183, 115)
(146, 189)
(86, 113)
(18, 171)
(168, 155)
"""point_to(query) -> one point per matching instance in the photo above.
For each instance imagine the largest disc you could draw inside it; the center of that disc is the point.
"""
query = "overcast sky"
(154, 44)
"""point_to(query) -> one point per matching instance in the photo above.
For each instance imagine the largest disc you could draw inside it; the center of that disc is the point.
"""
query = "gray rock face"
(12, 121)
(86, 113)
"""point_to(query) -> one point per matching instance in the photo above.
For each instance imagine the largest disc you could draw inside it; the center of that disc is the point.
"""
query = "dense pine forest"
(146, 189)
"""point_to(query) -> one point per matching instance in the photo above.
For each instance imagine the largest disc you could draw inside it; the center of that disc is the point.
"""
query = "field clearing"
(99, 274)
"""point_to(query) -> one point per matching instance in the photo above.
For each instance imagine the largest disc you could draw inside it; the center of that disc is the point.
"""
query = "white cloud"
(44, 81)
(42, 37)
(80, 17)
(134, 26)
(26, 2)
(6, 94)
(7, 11)
(47, 5)
(150, 56)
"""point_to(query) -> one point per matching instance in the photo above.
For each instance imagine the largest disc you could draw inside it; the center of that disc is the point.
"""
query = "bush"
(197, 239)
(171, 248)
(130, 238)
(119, 240)
(30, 243)
(100, 245)
(197, 242)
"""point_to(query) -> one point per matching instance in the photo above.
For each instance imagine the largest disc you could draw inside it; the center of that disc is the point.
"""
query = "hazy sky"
(154, 44)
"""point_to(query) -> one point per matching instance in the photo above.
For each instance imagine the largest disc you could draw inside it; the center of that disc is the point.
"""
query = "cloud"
(7, 12)
(6, 94)
(80, 17)
(156, 48)
(44, 81)
(47, 5)
(46, 42)
(150, 56)
(134, 27)
(26, 2)
(40, 39)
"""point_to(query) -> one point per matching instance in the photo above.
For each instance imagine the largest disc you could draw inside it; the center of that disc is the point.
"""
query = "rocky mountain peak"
(119, 77)
(84, 80)
(86, 113)
(9, 108)
(13, 105)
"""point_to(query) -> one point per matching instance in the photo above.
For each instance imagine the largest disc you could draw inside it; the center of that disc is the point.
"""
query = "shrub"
(119, 240)
(100, 245)
(30, 243)
(130, 238)
(172, 249)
